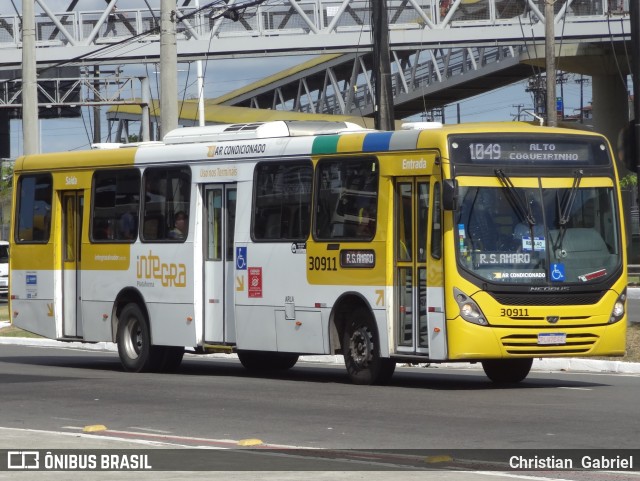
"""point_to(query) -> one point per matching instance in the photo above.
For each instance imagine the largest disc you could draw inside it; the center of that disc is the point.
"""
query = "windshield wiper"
(522, 206)
(564, 210)
(569, 198)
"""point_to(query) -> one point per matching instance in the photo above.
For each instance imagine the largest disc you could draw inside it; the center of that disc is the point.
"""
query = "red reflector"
(431, 309)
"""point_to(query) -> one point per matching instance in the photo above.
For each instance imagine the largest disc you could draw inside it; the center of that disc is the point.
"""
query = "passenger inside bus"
(179, 230)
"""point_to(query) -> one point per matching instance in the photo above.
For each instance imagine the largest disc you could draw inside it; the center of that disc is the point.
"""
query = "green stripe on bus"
(325, 144)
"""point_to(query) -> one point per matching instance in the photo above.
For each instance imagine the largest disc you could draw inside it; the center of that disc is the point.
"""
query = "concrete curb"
(547, 364)
(633, 292)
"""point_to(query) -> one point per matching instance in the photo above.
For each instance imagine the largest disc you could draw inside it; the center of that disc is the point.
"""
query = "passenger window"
(347, 199)
(115, 206)
(282, 201)
(166, 201)
(34, 208)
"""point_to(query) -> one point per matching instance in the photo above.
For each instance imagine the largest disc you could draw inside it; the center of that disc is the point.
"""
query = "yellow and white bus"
(492, 242)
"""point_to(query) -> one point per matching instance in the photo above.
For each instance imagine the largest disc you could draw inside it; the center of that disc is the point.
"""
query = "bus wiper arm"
(567, 205)
(565, 212)
(522, 206)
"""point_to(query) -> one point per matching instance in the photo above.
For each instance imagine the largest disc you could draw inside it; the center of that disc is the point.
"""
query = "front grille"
(577, 343)
(547, 298)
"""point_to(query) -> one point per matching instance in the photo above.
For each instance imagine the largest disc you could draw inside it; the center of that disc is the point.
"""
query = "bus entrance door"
(72, 207)
(220, 219)
(410, 261)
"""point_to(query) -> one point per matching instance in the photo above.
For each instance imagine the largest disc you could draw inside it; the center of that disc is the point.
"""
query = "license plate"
(547, 338)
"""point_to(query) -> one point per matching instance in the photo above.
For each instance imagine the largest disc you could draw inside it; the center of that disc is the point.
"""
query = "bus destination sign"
(519, 150)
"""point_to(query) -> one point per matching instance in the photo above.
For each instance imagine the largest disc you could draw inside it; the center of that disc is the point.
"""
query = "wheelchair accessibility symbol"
(241, 258)
(557, 273)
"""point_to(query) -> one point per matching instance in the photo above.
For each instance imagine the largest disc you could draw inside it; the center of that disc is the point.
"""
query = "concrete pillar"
(5, 134)
(610, 106)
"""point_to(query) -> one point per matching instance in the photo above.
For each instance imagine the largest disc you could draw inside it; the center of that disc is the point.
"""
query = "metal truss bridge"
(442, 50)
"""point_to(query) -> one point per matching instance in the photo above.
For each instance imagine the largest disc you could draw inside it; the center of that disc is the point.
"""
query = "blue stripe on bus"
(377, 142)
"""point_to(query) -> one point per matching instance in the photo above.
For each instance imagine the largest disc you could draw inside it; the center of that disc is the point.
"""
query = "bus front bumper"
(467, 341)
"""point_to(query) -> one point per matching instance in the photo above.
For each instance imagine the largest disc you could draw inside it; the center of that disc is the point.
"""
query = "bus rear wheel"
(361, 350)
(267, 361)
(134, 342)
(507, 371)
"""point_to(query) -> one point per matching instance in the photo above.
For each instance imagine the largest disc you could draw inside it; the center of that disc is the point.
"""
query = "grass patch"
(633, 343)
(11, 331)
(16, 332)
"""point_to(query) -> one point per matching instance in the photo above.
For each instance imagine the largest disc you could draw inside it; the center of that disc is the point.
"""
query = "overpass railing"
(282, 17)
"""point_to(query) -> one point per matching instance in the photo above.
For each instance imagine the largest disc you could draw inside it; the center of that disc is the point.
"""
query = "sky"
(222, 76)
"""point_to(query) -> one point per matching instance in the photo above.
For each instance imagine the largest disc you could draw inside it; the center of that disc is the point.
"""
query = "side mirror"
(449, 194)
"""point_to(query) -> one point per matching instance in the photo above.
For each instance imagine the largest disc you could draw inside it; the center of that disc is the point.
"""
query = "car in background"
(4, 270)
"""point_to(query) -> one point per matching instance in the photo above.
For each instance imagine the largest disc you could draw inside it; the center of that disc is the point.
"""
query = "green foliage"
(6, 178)
(629, 180)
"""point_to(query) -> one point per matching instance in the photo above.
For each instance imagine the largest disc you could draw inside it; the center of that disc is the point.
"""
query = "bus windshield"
(511, 235)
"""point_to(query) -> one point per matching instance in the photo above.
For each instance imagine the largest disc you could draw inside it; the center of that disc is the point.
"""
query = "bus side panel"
(163, 276)
(96, 321)
(301, 333)
(172, 324)
(273, 297)
(257, 330)
(32, 305)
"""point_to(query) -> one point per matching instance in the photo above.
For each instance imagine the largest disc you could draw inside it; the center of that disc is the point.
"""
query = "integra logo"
(152, 268)
(549, 289)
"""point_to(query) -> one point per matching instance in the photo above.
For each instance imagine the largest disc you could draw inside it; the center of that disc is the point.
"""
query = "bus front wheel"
(505, 371)
(134, 341)
(361, 350)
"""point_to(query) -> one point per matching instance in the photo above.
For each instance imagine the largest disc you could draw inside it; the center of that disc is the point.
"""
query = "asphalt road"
(315, 405)
(49, 395)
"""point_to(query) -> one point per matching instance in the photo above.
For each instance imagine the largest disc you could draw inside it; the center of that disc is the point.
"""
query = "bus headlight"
(469, 310)
(618, 307)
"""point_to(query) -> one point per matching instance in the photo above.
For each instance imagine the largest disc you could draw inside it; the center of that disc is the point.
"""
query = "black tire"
(361, 350)
(267, 361)
(134, 342)
(507, 371)
(171, 358)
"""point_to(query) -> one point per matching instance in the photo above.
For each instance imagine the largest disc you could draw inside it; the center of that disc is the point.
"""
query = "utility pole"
(537, 86)
(561, 80)
(30, 125)
(200, 83)
(168, 68)
(550, 62)
(97, 111)
(383, 101)
(582, 81)
(519, 107)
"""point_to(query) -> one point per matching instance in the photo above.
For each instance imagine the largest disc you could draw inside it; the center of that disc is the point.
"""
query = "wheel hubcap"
(134, 341)
(361, 347)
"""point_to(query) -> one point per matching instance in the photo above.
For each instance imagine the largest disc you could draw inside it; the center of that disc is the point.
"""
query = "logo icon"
(23, 460)
(557, 273)
(241, 258)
